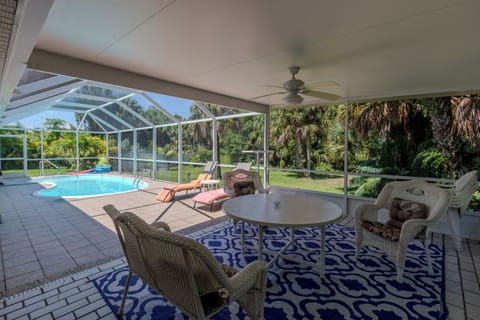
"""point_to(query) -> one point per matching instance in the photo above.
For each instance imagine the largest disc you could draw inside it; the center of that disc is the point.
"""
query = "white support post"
(41, 153)
(119, 146)
(107, 149)
(77, 150)
(266, 130)
(154, 154)
(180, 152)
(215, 141)
(25, 161)
(345, 162)
(135, 147)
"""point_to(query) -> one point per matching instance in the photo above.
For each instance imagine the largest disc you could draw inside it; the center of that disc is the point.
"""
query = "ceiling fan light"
(292, 98)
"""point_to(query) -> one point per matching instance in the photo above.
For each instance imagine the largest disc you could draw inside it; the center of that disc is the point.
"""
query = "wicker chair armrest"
(411, 228)
(161, 225)
(245, 279)
(367, 211)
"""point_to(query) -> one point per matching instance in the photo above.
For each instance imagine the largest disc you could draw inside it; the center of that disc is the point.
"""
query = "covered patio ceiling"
(226, 52)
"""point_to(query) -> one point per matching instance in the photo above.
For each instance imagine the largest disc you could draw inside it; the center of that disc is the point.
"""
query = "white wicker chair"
(185, 272)
(436, 201)
(230, 178)
(241, 175)
(463, 190)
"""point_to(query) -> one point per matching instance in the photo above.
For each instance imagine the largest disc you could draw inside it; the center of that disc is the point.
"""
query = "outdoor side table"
(209, 184)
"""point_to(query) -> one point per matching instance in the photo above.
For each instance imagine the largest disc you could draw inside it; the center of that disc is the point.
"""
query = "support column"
(41, 153)
(25, 157)
(345, 161)
(107, 149)
(135, 147)
(119, 146)
(154, 154)
(266, 143)
(215, 142)
(77, 150)
(180, 152)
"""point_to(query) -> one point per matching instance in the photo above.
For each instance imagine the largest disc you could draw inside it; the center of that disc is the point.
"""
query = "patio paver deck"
(45, 238)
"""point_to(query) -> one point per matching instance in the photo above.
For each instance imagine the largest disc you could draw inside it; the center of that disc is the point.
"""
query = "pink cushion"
(208, 197)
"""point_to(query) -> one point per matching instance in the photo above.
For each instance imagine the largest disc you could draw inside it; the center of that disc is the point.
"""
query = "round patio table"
(283, 210)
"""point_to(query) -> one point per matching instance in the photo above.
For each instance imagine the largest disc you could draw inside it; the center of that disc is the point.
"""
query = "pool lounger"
(209, 197)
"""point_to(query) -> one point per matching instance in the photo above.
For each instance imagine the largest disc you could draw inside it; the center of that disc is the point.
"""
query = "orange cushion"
(200, 178)
(166, 195)
(168, 192)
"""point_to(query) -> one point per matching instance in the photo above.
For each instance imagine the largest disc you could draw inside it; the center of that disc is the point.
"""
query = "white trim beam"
(29, 19)
(52, 62)
(75, 84)
(42, 85)
(30, 109)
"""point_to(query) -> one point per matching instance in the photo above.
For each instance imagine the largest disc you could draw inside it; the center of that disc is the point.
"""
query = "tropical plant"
(455, 123)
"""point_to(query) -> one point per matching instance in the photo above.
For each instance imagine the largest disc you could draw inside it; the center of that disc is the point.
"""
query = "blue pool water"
(86, 185)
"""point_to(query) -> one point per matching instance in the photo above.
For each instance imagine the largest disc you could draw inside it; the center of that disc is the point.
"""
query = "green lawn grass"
(325, 183)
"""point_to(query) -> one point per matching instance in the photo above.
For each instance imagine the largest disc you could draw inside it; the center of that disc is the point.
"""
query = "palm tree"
(456, 120)
(401, 125)
(304, 126)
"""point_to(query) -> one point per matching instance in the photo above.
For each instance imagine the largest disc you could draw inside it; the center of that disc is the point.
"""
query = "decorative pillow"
(403, 210)
(242, 188)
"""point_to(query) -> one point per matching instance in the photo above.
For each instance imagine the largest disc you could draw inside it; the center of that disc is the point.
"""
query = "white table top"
(299, 210)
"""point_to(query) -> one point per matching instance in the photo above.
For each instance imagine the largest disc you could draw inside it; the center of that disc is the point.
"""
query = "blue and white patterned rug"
(351, 289)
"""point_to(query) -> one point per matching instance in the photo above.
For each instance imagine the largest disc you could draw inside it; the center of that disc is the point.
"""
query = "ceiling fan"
(294, 87)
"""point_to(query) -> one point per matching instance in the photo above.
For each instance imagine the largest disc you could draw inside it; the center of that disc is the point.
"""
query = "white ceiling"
(373, 48)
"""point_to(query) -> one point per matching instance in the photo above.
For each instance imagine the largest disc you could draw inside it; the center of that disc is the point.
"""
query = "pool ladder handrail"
(137, 179)
(50, 163)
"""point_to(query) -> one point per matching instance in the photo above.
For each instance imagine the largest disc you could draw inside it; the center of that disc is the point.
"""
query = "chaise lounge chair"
(168, 192)
(243, 165)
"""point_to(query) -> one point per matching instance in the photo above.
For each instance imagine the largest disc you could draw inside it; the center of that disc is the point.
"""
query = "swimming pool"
(77, 186)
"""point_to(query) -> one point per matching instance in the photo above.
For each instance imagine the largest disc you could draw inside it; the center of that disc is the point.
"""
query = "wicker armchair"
(238, 176)
(186, 273)
(240, 182)
(432, 199)
(463, 190)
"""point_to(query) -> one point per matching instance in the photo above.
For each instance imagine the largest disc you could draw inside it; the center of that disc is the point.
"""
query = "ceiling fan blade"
(268, 95)
(322, 95)
(272, 86)
(323, 84)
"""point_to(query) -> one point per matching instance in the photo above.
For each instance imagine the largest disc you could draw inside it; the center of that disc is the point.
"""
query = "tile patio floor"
(46, 237)
(49, 238)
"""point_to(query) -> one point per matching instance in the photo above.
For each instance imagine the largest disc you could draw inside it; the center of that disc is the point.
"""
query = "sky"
(172, 104)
